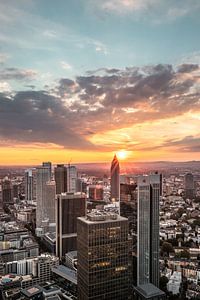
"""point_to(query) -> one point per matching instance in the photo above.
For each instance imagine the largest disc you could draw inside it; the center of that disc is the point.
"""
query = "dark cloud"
(35, 116)
(71, 113)
(187, 144)
(186, 68)
(17, 74)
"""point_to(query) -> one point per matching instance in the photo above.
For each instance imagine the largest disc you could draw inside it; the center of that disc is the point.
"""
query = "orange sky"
(143, 142)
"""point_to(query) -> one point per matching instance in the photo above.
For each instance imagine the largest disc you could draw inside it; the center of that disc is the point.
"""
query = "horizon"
(105, 162)
(86, 79)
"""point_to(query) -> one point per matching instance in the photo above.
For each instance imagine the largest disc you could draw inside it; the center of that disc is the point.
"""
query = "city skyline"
(84, 80)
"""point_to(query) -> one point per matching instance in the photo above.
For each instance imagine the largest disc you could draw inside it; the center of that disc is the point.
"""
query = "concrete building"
(42, 177)
(69, 206)
(103, 257)
(50, 196)
(174, 283)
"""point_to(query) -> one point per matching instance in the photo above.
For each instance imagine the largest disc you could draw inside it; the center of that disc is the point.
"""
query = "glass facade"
(103, 267)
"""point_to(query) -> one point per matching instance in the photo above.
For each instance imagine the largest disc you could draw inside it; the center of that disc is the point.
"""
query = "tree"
(183, 254)
(166, 248)
(163, 283)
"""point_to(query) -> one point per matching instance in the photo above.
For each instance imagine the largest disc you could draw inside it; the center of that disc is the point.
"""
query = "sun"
(122, 154)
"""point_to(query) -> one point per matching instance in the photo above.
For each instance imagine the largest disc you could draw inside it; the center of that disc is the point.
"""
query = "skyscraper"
(49, 166)
(50, 197)
(115, 184)
(60, 173)
(72, 179)
(7, 192)
(42, 177)
(102, 245)
(69, 206)
(148, 229)
(189, 186)
(30, 185)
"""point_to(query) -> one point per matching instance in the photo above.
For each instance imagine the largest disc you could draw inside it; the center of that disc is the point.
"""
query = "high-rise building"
(49, 166)
(189, 186)
(7, 192)
(69, 206)
(60, 173)
(50, 196)
(115, 183)
(30, 185)
(72, 177)
(42, 177)
(103, 246)
(148, 229)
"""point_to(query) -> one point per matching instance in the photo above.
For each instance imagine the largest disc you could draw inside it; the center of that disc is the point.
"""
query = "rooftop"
(31, 291)
(101, 216)
(66, 273)
(149, 291)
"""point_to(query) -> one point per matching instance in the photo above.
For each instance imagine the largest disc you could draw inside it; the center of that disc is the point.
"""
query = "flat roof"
(31, 291)
(149, 291)
(66, 273)
(99, 220)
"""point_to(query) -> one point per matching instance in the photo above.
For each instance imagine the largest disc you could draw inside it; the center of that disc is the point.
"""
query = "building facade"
(30, 185)
(72, 177)
(69, 206)
(189, 186)
(103, 268)
(148, 229)
(60, 173)
(42, 177)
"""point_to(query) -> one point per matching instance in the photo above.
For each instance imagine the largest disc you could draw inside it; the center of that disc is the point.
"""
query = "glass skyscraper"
(103, 247)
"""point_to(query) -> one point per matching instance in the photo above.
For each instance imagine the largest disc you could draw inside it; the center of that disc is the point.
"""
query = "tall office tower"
(60, 173)
(189, 186)
(69, 206)
(50, 196)
(30, 185)
(72, 177)
(42, 177)
(103, 246)
(148, 229)
(7, 192)
(49, 166)
(115, 185)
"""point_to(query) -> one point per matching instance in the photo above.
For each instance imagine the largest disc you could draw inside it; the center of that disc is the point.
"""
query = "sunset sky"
(83, 79)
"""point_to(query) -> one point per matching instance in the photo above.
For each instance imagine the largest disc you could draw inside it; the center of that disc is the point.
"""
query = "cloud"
(65, 65)
(187, 144)
(72, 112)
(158, 11)
(5, 87)
(51, 34)
(3, 57)
(17, 74)
(186, 68)
(126, 6)
(37, 117)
